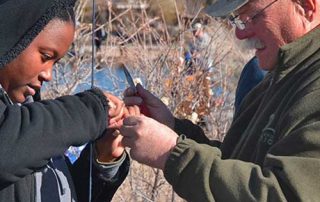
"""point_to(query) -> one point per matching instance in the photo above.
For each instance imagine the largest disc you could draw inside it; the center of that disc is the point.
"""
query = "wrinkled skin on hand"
(156, 108)
(150, 141)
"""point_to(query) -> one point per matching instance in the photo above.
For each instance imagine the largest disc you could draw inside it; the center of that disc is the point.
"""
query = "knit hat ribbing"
(22, 20)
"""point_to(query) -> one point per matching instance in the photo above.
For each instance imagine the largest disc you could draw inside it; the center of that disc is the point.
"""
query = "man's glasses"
(235, 20)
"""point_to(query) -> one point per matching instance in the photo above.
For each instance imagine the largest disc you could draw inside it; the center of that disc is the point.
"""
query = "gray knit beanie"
(22, 20)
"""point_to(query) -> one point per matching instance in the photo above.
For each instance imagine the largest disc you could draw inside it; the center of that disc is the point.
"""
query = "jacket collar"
(293, 54)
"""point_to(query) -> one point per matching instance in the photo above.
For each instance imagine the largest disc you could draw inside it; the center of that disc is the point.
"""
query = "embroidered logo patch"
(268, 132)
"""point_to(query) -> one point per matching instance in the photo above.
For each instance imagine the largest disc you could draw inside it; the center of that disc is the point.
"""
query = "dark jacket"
(33, 136)
(272, 150)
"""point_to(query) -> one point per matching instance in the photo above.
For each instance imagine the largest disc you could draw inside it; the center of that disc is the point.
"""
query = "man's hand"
(146, 100)
(150, 141)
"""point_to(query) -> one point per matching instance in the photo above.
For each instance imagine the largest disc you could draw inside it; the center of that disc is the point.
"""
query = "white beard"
(253, 44)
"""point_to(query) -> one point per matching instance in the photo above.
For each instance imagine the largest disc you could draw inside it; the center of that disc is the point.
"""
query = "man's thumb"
(130, 121)
(145, 94)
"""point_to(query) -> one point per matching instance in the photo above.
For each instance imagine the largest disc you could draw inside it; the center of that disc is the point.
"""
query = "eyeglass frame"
(235, 20)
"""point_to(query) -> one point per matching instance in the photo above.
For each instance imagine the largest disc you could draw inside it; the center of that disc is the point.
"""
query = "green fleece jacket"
(272, 150)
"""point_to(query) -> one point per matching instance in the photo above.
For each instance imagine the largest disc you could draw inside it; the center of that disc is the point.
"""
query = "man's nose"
(243, 34)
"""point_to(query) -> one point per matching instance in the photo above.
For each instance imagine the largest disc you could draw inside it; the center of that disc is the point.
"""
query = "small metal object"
(129, 77)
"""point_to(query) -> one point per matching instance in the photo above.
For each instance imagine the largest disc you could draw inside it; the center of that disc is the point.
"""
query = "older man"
(272, 150)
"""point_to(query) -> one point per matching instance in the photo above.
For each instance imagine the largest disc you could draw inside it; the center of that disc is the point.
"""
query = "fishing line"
(92, 86)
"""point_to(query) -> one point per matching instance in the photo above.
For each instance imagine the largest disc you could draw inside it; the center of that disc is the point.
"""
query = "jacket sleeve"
(289, 172)
(103, 187)
(33, 133)
(194, 132)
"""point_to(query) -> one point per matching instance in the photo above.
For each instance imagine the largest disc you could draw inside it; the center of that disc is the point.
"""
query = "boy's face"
(27, 72)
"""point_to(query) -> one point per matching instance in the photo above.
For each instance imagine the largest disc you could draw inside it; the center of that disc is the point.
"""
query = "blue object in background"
(188, 63)
(250, 76)
(188, 56)
(73, 153)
